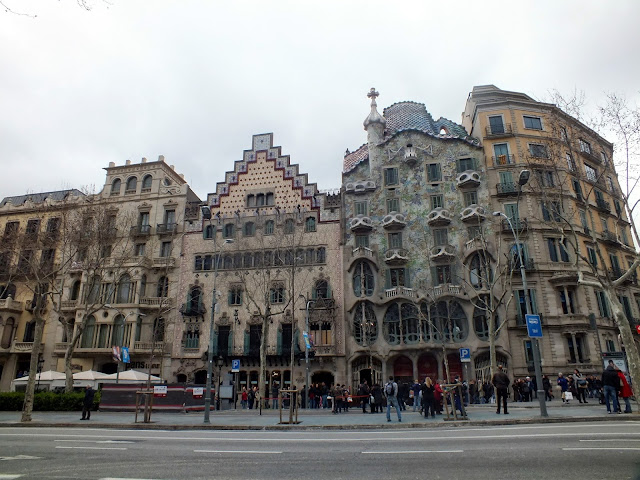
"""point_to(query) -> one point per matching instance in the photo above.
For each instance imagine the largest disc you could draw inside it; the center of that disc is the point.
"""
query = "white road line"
(237, 451)
(95, 448)
(412, 451)
(614, 440)
(4, 476)
(92, 441)
(601, 448)
(118, 478)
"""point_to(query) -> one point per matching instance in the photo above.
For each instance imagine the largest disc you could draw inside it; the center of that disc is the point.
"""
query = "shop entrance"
(403, 370)
(319, 377)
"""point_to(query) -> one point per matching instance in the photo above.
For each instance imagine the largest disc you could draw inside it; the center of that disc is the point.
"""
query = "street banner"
(125, 355)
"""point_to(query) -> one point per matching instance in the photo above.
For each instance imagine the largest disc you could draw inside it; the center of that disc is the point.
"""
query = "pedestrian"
(611, 385)
(501, 382)
(87, 403)
(625, 391)
(546, 385)
(416, 388)
(581, 386)
(391, 392)
(428, 398)
(473, 392)
(363, 394)
(376, 393)
(274, 394)
(564, 388)
(438, 397)
(244, 398)
(251, 398)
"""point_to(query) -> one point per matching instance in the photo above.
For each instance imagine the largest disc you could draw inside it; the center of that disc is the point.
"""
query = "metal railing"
(499, 130)
(508, 188)
(503, 159)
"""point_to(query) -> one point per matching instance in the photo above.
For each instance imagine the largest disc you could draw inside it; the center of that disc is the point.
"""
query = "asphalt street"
(576, 450)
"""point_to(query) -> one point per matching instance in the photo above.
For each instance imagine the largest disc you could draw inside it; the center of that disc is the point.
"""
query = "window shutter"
(230, 345)
(296, 343)
(387, 278)
(215, 342)
(553, 254)
(247, 342)
(407, 277)
(534, 307)
(279, 345)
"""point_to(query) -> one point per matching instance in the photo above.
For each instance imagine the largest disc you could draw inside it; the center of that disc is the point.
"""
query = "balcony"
(502, 160)
(61, 347)
(166, 228)
(468, 179)
(603, 205)
(188, 310)
(442, 253)
(473, 213)
(68, 305)
(589, 155)
(609, 237)
(361, 223)
(396, 291)
(148, 346)
(156, 302)
(362, 252)
(50, 238)
(11, 305)
(616, 273)
(164, 262)
(22, 346)
(507, 189)
(394, 221)
(497, 131)
(396, 256)
(324, 350)
(446, 289)
(519, 225)
(360, 187)
(439, 216)
(140, 231)
(529, 264)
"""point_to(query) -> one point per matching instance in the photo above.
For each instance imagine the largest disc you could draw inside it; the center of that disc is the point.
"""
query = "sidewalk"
(519, 413)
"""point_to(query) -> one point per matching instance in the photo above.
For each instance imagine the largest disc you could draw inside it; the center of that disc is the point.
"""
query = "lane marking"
(6, 476)
(93, 441)
(614, 440)
(94, 448)
(237, 451)
(601, 448)
(411, 451)
(118, 478)
(20, 457)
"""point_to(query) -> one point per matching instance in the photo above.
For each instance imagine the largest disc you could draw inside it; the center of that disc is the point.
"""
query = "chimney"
(112, 164)
(128, 162)
(144, 159)
(161, 158)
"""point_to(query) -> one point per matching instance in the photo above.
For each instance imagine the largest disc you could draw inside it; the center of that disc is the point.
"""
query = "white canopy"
(49, 375)
(129, 376)
(89, 375)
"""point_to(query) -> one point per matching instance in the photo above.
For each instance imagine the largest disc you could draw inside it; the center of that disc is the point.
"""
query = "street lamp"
(206, 214)
(522, 180)
(220, 363)
(306, 350)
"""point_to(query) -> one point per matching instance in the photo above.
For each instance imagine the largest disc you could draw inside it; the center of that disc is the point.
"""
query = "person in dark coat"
(428, 398)
(501, 381)
(87, 403)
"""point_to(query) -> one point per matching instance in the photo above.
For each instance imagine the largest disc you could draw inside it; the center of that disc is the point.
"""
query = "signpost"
(235, 366)
(465, 355)
(534, 326)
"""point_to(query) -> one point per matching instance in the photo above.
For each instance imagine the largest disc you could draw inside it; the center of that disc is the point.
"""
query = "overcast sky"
(194, 80)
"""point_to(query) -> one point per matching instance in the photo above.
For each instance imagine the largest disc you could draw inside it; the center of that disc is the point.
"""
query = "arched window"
(163, 287)
(132, 185)
(363, 280)
(249, 229)
(289, 226)
(75, 290)
(124, 290)
(158, 329)
(365, 325)
(143, 286)
(270, 199)
(480, 274)
(8, 291)
(321, 255)
(29, 331)
(93, 291)
(227, 263)
(481, 322)
(310, 224)
(7, 333)
(247, 260)
(117, 337)
(116, 186)
(449, 319)
(269, 227)
(229, 230)
(209, 231)
(392, 324)
(89, 332)
(195, 301)
(138, 334)
(146, 183)
(410, 323)
(321, 289)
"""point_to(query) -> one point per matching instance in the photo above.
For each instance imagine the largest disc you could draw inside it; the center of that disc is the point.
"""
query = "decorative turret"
(375, 123)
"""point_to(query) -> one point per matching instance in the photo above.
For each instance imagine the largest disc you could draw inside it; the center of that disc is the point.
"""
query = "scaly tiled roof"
(354, 158)
(37, 198)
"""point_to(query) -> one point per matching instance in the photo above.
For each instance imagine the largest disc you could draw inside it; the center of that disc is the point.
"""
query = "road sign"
(534, 326)
(235, 366)
(125, 355)
(465, 355)
(159, 390)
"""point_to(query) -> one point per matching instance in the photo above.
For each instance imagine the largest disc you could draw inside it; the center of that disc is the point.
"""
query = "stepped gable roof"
(352, 159)
(403, 116)
(37, 198)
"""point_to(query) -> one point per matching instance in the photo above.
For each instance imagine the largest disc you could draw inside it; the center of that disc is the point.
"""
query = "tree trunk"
(27, 407)
(262, 381)
(68, 356)
(492, 345)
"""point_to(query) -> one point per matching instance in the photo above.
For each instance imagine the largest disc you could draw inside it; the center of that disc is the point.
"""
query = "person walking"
(501, 382)
(87, 403)
(376, 393)
(546, 385)
(564, 387)
(416, 388)
(611, 385)
(391, 392)
(428, 398)
(274, 395)
(581, 386)
(244, 398)
(625, 391)
(363, 394)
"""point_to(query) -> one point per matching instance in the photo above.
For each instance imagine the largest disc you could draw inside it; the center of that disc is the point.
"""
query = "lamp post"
(306, 349)
(522, 180)
(219, 362)
(206, 214)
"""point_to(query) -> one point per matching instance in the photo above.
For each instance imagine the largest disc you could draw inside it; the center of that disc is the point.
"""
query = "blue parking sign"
(235, 366)
(534, 326)
(465, 354)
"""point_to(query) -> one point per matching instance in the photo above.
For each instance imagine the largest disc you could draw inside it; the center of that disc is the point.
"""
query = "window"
(321, 255)
(496, 125)
(571, 164)
(610, 345)
(470, 198)
(198, 263)
(143, 223)
(395, 240)
(480, 274)
(397, 277)
(449, 321)
(117, 337)
(576, 352)
(289, 226)
(391, 324)
(441, 274)
(583, 220)
(623, 234)
(146, 183)
(522, 306)
(170, 219)
(276, 294)
(528, 352)
(440, 236)
(105, 251)
(557, 250)
(511, 211)
(124, 290)
(321, 289)
(592, 256)
(533, 123)
(514, 255)
(116, 186)
(545, 178)
(362, 241)
(310, 224)
(132, 184)
(393, 205)
(228, 230)
(537, 150)
(434, 173)
(235, 295)
(591, 173)
(269, 227)
(465, 164)
(603, 157)
(610, 184)
(437, 201)
(53, 227)
(165, 249)
(501, 152)
(11, 229)
(321, 333)
(251, 200)
(162, 289)
(563, 134)
(209, 232)
(363, 280)
(75, 291)
(224, 337)
(506, 179)
(365, 325)
(577, 188)
(249, 229)
(361, 208)
(585, 146)
(391, 176)
(567, 300)
(618, 207)
(33, 227)
(191, 337)
(88, 333)
(552, 211)
(143, 286)
(139, 249)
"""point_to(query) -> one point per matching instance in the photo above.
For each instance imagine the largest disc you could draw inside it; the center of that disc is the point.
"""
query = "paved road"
(577, 450)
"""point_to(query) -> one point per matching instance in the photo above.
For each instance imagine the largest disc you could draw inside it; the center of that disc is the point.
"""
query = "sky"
(194, 80)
